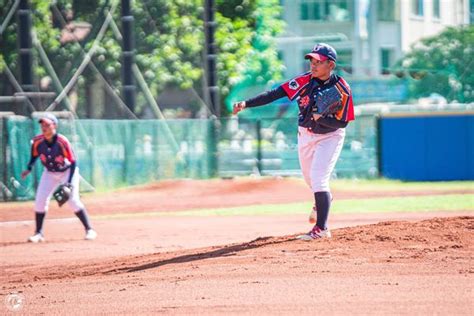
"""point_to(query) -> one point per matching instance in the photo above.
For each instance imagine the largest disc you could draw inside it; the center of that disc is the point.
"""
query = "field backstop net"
(117, 153)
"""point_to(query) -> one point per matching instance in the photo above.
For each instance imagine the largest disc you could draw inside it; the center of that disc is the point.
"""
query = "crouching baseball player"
(60, 177)
(325, 108)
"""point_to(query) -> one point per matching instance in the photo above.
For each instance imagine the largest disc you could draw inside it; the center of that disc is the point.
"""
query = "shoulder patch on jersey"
(293, 84)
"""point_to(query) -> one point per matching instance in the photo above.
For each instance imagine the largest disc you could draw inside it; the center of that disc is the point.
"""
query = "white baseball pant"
(48, 184)
(318, 154)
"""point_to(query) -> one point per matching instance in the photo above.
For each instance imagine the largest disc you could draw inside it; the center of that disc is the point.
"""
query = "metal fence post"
(214, 133)
(93, 156)
(156, 150)
(4, 157)
(259, 145)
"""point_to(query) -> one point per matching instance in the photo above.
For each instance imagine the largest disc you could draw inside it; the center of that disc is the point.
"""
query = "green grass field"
(373, 185)
(380, 185)
(423, 203)
(428, 203)
(454, 202)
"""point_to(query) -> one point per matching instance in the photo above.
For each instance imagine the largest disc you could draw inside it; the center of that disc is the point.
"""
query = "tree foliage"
(444, 65)
(169, 41)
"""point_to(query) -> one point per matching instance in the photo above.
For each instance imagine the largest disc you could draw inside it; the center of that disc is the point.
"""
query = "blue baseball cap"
(50, 118)
(322, 52)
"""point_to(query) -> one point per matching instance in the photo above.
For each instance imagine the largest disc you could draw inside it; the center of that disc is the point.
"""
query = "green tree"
(443, 64)
(246, 40)
(48, 35)
(169, 41)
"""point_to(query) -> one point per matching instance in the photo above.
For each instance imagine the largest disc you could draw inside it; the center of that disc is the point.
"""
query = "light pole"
(212, 88)
(128, 45)
(25, 46)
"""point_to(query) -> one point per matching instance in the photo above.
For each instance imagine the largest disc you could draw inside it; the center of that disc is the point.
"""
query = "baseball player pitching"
(325, 109)
(60, 176)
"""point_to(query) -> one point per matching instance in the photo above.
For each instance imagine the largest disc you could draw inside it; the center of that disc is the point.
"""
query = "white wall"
(453, 12)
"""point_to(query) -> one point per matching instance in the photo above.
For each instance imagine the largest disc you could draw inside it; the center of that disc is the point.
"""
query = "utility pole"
(210, 24)
(25, 46)
(374, 46)
(128, 45)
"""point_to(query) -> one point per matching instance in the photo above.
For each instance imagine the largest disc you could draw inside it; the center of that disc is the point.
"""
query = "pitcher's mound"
(437, 240)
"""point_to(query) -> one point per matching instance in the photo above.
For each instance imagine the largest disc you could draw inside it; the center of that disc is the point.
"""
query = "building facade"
(369, 35)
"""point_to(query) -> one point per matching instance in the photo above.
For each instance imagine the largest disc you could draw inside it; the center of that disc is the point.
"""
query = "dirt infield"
(390, 267)
(404, 263)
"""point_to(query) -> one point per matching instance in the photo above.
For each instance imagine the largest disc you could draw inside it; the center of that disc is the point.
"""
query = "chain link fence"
(117, 153)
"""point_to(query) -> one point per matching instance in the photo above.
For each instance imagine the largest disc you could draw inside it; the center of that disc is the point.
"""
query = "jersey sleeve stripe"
(66, 148)
(34, 146)
(347, 112)
(344, 85)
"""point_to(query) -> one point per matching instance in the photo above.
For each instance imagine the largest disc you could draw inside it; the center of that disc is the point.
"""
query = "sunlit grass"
(426, 203)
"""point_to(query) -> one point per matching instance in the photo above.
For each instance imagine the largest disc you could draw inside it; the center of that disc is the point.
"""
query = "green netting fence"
(117, 153)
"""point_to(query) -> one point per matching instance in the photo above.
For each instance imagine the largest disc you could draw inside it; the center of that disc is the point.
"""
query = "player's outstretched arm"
(33, 156)
(261, 99)
(25, 173)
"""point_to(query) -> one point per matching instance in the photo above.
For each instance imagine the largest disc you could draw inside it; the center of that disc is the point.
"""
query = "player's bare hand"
(25, 173)
(316, 117)
(238, 106)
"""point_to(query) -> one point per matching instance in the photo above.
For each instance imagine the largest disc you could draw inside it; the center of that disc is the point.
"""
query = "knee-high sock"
(323, 204)
(82, 215)
(39, 218)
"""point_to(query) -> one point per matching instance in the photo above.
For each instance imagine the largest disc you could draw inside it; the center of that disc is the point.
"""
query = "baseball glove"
(327, 102)
(62, 194)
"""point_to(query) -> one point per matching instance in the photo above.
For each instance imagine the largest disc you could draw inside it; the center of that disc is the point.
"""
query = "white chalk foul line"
(31, 222)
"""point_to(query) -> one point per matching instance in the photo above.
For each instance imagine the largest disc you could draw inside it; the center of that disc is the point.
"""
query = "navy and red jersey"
(304, 90)
(56, 156)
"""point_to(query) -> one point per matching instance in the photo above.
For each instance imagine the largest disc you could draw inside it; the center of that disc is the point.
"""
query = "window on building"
(472, 12)
(281, 55)
(304, 11)
(325, 10)
(436, 9)
(344, 62)
(386, 60)
(387, 10)
(417, 7)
